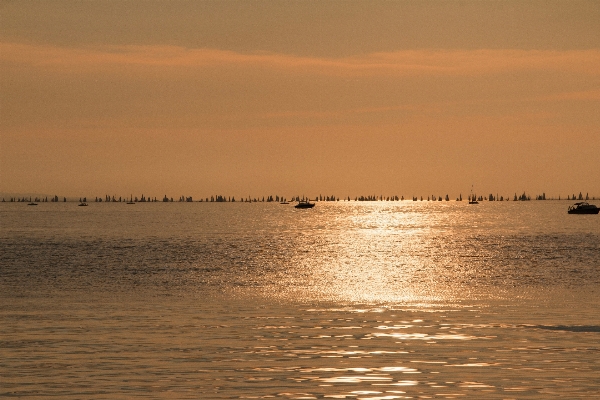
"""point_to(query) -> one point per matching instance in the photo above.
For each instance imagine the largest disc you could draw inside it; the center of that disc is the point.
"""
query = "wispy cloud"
(409, 62)
(586, 95)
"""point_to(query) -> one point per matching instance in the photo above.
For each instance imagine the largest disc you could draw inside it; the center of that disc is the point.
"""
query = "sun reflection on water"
(377, 253)
(409, 252)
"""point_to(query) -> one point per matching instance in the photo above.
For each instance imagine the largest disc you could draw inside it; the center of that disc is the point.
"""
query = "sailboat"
(472, 197)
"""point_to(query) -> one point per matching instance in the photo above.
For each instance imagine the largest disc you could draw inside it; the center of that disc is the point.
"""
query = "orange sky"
(257, 98)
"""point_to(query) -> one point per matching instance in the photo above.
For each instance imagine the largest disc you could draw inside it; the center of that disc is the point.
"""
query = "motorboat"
(583, 208)
(32, 204)
(304, 204)
(82, 204)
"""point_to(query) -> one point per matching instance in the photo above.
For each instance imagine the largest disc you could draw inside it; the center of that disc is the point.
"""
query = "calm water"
(345, 301)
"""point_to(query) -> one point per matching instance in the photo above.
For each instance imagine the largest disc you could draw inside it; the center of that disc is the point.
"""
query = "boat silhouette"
(583, 208)
(472, 197)
(304, 204)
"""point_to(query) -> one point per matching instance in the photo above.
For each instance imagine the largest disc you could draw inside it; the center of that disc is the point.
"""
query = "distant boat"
(32, 204)
(131, 202)
(583, 208)
(284, 202)
(82, 204)
(304, 204)
(472, 197)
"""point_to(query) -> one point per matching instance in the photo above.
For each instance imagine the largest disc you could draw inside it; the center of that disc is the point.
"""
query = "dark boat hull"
(585, 211)
(304, 205)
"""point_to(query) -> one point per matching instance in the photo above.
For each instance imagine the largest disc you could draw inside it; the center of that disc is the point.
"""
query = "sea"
(348, 300)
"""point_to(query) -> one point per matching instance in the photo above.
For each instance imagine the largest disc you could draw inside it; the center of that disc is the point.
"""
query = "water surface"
(379, 300)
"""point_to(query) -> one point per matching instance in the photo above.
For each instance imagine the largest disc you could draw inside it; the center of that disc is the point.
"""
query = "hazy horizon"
(333, 98)
(292, 196)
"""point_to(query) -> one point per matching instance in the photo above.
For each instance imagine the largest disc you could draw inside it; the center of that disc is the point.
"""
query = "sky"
(256, 98)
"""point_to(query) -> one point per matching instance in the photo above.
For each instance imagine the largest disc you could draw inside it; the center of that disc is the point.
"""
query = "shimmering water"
(347, 300)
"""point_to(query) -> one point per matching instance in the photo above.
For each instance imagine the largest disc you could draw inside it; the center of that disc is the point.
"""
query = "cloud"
(398, 63)
(585, 95)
